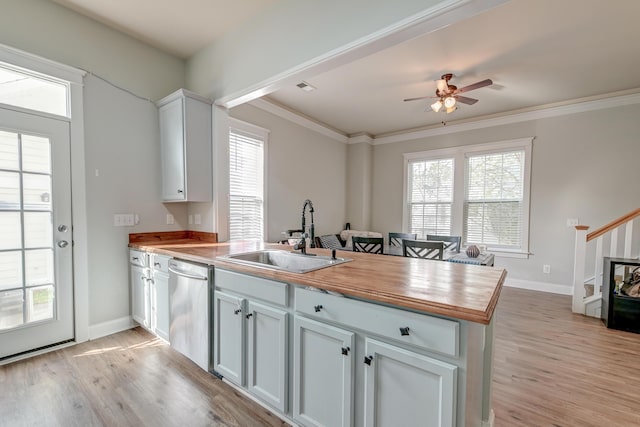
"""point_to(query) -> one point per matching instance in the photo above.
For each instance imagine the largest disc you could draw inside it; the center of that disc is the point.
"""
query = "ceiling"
(179, 27)
(537, 52)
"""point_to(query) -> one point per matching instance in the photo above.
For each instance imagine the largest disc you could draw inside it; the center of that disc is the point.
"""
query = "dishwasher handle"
(189, 276)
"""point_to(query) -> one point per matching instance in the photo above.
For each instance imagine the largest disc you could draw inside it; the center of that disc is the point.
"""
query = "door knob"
(63, 244)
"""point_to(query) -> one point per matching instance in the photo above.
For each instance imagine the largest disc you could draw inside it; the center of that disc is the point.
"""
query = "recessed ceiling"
(179, 27)
(536, 52)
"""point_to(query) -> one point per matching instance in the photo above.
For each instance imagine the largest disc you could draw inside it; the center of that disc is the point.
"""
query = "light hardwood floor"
(551, 368)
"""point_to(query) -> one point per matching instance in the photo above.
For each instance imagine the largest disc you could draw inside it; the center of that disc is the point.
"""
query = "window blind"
(246, 186)
(493, 206)
(430, 197)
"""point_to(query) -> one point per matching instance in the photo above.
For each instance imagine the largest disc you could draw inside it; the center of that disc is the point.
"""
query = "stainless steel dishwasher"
(189, 295)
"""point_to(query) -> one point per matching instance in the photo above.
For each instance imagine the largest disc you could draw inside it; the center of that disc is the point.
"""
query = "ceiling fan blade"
(478, 85)
(465, 100)
(420, 97)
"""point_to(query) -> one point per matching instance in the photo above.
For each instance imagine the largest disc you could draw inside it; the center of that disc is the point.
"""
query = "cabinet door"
(172, 150)
(140, 310)
(160, 300)
(229, 337)
(323, 374)
(267, 354)
(404, 388)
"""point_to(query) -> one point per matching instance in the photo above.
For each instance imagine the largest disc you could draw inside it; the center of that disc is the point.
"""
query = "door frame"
(80, 254)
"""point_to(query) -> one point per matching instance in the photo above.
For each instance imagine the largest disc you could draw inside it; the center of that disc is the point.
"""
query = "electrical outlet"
(170, 219)
(190, 219)
(572, 222)
(197, 219)
(546, 269)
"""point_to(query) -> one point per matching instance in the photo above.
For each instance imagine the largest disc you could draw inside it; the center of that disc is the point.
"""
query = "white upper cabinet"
(185, 147)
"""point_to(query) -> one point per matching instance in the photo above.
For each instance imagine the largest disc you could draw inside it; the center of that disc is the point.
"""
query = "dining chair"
(423, 249)
(329, 241)
(451, 243)
(395, 239)
(372, 245)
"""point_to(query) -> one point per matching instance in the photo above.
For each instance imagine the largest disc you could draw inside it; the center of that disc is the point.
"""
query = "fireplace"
(619, 311)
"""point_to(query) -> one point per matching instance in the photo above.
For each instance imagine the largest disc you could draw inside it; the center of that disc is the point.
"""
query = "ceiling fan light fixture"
(436, 106)
(442, 85)
(451, 109)
(449, 102)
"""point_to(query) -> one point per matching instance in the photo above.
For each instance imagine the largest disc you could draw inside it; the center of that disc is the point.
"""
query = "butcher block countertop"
(461, 291)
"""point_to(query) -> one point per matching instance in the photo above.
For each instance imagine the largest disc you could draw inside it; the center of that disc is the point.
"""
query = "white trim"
(459, 154)
(109, 327)
(299, 119)
(533, 285)
(36, 63)
(360, 138)
(74, 77)
(263, 134)
(442, 14)
(473, 124)
(510, 118)
(491, 421)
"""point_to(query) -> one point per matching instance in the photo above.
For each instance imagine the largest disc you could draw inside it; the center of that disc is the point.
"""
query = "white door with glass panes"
(36, 287)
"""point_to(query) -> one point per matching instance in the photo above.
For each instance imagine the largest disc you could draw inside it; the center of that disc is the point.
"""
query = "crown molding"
(480, 123)
(299, 119)
(363, 137)
(510, 118)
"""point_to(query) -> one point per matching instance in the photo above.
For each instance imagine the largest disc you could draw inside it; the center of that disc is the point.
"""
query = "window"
(431, 197)
(246, 182)
(480, 192)
(27, 89)
(494, 199)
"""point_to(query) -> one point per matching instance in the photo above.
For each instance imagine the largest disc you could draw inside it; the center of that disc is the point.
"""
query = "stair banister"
(582, 238)
(577, 305)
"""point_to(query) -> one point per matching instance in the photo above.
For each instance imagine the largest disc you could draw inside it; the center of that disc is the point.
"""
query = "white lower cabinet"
(251, 344)
(323, 374)
(267, 360)
(139, 277)
(404, 388)
(149, 277)
(159, 296)
(229, 341)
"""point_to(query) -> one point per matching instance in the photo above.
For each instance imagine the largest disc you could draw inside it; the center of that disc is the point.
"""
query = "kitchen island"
(413, 338)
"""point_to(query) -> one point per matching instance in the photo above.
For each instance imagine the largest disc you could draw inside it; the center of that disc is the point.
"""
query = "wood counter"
(461, 291)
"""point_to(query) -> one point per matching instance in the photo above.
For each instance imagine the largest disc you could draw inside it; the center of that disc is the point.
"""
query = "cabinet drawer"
(431, 333)
(138, 258)
(160, 263)
(264, 289)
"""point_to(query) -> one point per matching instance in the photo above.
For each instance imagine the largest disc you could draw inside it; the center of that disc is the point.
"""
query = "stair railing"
(613, 230)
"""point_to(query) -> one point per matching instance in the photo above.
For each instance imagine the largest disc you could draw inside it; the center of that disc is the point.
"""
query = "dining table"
(485, 258)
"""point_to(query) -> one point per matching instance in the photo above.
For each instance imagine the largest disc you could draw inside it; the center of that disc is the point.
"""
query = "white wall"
(123, 145)
(583, 166)
(121, 133)
(301, 164)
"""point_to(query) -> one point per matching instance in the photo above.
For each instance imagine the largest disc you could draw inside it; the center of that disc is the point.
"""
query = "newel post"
(578, 269)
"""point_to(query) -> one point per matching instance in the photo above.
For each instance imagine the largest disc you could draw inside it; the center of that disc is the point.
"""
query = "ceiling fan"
(448, 95)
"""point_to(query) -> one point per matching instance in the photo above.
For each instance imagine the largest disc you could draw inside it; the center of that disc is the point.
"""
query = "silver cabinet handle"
(62, 228)
(63, 244)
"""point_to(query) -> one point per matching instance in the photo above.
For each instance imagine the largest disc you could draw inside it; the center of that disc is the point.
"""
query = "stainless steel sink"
(273, 259)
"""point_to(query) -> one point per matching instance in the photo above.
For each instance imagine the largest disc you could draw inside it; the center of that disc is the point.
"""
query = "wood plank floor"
(551, 368)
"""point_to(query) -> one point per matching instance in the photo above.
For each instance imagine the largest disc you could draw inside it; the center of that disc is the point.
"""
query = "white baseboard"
(491, 421)
(539, 286)
(103, 329)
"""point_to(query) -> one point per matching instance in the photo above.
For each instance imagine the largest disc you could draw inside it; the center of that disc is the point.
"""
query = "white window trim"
(74, 77)
(459, 154)
(262, 133)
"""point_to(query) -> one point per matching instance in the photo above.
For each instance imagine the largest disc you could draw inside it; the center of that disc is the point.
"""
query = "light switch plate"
(197, 219)
(572, 222)
(170, 219)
